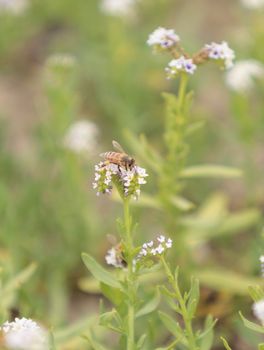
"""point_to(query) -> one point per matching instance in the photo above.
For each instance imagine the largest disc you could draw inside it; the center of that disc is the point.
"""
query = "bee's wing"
(111, 239)
(103, 155)
(117, 146)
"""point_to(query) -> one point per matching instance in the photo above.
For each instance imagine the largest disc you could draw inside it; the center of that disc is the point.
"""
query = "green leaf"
(194, 297)
(111, 320)
(210, 170)
(15, 283)
(261, 346)
(115, 295)
(221, 279)
(227, 347)
(182, 203)
(207, 336)
(149, 306)
(256, 293)
(251, 325)
(93, 342)
(99, 272)
(173, 327)
(63, 335)
(141, 341)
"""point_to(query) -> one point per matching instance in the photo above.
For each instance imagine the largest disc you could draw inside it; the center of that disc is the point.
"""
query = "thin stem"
(182, 305)
(130, 277)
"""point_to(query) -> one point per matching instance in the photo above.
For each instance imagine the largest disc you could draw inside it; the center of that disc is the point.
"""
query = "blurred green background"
(64, 61)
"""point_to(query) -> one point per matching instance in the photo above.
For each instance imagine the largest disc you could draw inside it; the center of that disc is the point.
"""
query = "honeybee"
(120, 158)
(118, 249)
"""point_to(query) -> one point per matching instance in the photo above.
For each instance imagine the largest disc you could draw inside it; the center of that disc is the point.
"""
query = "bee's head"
(131, 163)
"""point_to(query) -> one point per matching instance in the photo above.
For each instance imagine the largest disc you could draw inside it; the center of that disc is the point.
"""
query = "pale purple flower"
(162, 39)
(178, 65)
(221, 52)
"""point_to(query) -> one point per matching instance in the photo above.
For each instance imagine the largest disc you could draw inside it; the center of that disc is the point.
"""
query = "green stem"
(130, 276)
(182, 91)
(182, 305)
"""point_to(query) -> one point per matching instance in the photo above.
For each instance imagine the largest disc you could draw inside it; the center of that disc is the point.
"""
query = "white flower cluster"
(241, 76)
(258, 310)
(162, 39)
(117, 7)
(153, 248)
(114, 257)
(221, 52)
(253, 4)
(81, 137)
(14, 7)
(131, 180)
(103, 177)
(24, 334)
(181, 64)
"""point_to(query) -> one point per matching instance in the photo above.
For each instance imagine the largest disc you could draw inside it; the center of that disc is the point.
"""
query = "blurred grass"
(48, 212)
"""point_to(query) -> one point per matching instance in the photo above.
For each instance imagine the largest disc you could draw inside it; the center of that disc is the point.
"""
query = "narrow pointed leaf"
(251, 325)
(99, 272)
(149, 306)
(210, 170)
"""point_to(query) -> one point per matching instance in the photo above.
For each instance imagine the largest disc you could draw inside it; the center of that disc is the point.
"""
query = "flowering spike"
(158, 247)
(129, 180)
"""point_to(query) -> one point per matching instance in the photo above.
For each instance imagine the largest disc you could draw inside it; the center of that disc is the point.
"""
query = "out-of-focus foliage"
(48, 212)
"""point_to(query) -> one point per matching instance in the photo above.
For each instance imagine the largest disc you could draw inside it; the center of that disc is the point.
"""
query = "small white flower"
(258, 310)
(15, 7)
(161, 239)
(81, 137)
(117, 7)
(181, 64)
(169, 243)
(253, 4)
(221, 52)
(241, 76)
(162, 38)
(160, 249)
(24, 334)
(150, 244)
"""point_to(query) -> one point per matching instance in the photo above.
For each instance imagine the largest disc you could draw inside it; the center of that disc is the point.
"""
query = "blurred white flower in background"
(117, 7)
(24, 334)
(61, 59)
(13, 6)
(241, 76)
(82, 136)
(253, 4)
